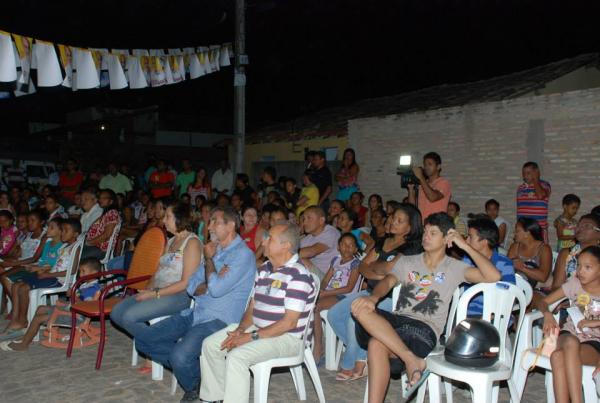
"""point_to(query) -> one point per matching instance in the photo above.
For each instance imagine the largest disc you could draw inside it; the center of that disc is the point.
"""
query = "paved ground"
(45, 375)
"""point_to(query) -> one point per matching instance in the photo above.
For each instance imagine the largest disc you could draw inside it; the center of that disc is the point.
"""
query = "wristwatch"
(157, 293)
(254, 335)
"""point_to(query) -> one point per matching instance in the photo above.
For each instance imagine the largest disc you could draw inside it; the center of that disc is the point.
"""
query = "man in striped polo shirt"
(533, 196)
(272, 327)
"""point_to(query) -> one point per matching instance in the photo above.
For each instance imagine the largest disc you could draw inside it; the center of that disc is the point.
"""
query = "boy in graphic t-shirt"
(428, 280)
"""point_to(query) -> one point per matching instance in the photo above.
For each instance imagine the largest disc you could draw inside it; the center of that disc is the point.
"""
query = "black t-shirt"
(322, 178)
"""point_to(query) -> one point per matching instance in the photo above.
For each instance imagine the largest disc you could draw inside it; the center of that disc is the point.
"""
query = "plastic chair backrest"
(112, 243)
(146, 256)
(307, 328)
(75, 258)
(525, 287)
(498, 301)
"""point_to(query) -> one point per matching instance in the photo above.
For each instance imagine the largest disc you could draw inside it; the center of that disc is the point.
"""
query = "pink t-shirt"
(572, 289)
(426, 207)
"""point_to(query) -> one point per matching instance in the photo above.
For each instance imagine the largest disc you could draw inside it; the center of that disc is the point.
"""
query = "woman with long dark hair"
(532, 258)
(406, 233)
(347, 176)
(97, 240)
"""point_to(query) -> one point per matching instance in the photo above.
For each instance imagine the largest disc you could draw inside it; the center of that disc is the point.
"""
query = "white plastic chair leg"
(311, 367)
(173, 385)
(298, 378)
(589, 387)
(338, 353)
(434, 383)
(495, 392)
(262, 376)
(157, 371)
(548, 380)
(482, 391)
(134, 355)
(366, 398)
(330, 348)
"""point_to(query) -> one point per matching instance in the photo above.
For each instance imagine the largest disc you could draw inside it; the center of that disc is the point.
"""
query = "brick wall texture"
(483, 147)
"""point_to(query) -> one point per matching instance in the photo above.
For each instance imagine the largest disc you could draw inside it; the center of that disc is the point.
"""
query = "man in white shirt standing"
(91, 208)
(222, 179)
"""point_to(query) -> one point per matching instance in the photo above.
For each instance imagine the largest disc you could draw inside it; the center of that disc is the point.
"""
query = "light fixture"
(102, 128)
(405, 160)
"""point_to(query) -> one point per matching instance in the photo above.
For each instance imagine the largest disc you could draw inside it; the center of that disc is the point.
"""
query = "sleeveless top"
(350, 179)
(342, 272)
(170, 266)
(249, 237)
(532, 262)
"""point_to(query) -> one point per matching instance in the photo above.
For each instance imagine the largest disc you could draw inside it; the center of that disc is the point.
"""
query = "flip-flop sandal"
(12, 334)
(412, 389)
(343, 377)
(363, 374)
(4, 346)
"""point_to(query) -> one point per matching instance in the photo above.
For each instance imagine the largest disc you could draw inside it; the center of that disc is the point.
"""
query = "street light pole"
(239, 85)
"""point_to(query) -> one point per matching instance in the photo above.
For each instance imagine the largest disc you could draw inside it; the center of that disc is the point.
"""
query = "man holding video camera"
(434, 191)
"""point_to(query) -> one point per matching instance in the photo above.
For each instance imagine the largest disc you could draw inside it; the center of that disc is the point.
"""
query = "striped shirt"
(290, 287)
(528, 205)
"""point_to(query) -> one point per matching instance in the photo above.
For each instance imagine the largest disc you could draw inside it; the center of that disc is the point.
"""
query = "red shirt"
(161, 184)
(69, 184)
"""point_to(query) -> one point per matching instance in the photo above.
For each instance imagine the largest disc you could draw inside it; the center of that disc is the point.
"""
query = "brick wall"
(483, 147)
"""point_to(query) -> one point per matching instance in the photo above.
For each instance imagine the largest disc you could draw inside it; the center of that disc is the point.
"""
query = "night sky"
(304, 54)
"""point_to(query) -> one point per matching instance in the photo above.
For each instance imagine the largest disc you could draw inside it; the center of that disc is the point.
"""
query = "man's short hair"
(317, 210)
(531, 164)
(456, 206)
(492, 202)
(74, 223)
(244, 178)
(290, 234)
(229, 215)
(434, 157)
(487, 229)
(570, 199)
(441, 220)
(320, 154)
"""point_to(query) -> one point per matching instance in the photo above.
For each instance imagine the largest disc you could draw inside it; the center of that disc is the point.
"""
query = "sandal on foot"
(412, 389)
(144, 370)
(341, 376)
(13, 334)
(4, 346)
(362, 374)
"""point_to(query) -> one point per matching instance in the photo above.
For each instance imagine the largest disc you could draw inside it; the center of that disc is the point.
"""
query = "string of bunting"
(86, 68)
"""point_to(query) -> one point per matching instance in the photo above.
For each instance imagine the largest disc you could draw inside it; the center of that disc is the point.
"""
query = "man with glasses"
(220, 289)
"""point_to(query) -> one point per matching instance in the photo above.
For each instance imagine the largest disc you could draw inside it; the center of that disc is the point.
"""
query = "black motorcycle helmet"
(473, 343)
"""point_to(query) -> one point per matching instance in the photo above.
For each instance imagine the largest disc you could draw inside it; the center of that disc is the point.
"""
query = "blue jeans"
(175, 343)
(131, 315)
(342, 322)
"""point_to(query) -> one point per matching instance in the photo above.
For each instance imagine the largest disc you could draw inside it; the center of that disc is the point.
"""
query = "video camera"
(407, 176)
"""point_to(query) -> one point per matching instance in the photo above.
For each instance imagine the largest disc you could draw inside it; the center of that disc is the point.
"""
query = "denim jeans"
(175, 343)
(342, 322)
(131, 315)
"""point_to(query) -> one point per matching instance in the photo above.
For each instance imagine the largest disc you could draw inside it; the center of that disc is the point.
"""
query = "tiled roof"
(334, 121)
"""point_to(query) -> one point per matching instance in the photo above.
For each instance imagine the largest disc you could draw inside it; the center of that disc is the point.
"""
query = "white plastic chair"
(524, 286)
(262, 371)
(526, 356)
(112, 243)
(157, 369)
(37, 296)
(498, 301)
(439, 349)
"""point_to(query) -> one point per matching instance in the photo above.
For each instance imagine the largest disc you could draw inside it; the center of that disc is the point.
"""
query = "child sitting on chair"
(48, 278)
(340, 279)
(579, 339)
(88, 291)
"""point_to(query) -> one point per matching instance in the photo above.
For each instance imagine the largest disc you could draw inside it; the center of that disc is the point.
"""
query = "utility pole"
(239, 85)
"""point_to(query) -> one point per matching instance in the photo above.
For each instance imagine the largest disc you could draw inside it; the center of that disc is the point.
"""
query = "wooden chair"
(143, 265)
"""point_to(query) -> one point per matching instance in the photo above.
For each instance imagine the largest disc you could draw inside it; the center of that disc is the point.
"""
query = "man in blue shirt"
(483, 237)
(220, 289)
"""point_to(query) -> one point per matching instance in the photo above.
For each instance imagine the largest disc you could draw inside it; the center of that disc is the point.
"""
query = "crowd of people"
(237, 281)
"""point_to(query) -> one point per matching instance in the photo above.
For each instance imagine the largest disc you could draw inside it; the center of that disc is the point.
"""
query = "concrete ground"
(45, 375)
